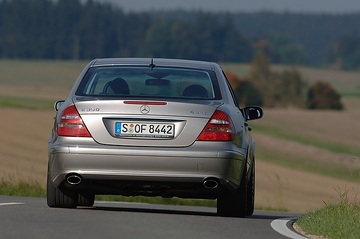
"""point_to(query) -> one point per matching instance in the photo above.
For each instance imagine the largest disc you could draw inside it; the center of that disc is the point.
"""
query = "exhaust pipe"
(73, 179)
(211, 183)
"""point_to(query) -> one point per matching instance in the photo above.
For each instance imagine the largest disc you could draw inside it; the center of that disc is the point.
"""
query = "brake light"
(136, 102)
(71, 124)
(219, 128)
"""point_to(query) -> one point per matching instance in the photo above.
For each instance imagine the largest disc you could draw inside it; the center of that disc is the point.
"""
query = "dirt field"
(301, 191)
(23, 150)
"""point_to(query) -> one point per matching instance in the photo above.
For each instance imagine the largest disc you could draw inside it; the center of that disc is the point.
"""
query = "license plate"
(149, 130)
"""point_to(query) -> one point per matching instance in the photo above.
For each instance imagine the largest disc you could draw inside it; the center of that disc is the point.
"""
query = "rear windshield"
(145, 82)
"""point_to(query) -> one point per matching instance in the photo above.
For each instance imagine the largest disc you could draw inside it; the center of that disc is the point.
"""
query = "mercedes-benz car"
(152, 127)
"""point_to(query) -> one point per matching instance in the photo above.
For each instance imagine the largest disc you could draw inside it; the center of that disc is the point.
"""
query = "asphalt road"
(25, 217)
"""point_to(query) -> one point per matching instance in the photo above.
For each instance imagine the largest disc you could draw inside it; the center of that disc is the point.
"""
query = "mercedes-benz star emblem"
(144, 109)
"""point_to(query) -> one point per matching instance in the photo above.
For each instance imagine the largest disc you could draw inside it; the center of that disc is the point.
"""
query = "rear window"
(145, 82)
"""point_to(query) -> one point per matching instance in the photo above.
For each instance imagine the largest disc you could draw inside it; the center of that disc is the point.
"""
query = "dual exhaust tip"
(211, 183)
(73, 179)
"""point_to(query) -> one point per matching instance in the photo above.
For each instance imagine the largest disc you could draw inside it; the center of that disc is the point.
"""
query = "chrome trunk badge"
(144, 109)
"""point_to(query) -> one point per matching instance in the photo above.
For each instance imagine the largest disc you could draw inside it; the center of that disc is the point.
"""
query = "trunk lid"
(145, 123)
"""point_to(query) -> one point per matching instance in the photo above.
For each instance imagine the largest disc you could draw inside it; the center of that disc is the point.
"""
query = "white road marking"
(10, 203)
(282, 226)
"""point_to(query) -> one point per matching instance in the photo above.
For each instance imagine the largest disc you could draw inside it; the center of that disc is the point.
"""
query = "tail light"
(71, 124)
(219, 128)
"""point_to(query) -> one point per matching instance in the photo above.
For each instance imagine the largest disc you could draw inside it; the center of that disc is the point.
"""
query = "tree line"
(74, 29)
(69, 29)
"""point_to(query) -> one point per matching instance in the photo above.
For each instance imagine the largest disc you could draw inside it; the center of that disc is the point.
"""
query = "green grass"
(25, 103)
(336, 221)
(30, 189)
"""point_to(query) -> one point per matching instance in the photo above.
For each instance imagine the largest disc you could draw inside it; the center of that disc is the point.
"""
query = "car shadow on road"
(155, 210)
(181, 210)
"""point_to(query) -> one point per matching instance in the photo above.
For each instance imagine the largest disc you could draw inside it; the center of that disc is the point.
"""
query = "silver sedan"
(152, 127)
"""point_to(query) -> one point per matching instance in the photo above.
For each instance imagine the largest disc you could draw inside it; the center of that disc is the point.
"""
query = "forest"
(74, 29)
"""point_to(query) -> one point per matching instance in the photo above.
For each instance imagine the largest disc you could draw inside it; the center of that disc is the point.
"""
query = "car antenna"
(152, 65)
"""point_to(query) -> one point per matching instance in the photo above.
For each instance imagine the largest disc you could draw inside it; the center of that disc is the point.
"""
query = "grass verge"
(25, 103)
(30, 189)
(334, 221)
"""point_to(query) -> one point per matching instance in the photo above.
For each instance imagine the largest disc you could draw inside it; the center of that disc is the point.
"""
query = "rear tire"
(86, 199)
(250, 197)
(60, 197)
(231, 204)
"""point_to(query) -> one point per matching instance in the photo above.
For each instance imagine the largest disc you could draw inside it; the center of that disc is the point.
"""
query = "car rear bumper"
(167, 166)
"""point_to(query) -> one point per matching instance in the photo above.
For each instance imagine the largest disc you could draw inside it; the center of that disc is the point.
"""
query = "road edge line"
(284, 227)
(10, 203)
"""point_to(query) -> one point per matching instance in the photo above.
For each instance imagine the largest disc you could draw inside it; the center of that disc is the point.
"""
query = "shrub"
(263, 79)
(244, 90)
(322, 95)
(247, 94)
(290, 89)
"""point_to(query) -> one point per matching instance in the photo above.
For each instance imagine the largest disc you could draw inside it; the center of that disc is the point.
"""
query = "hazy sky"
(303, 6)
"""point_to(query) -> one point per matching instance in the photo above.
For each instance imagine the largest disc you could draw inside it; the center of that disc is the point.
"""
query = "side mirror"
(58, 104)
(252, 112)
